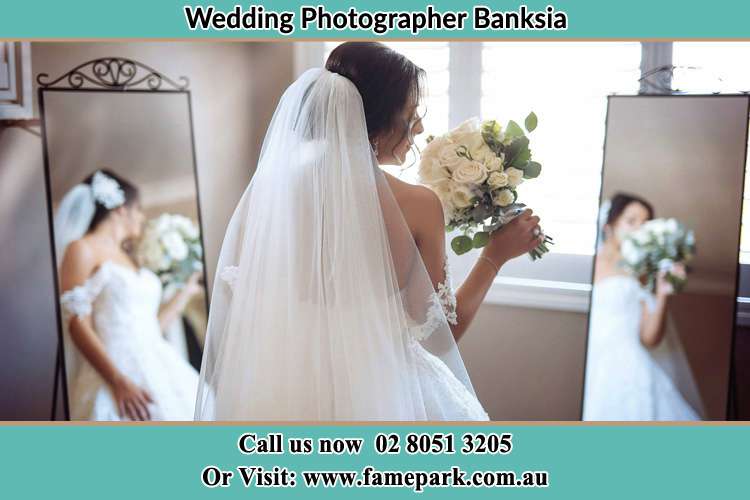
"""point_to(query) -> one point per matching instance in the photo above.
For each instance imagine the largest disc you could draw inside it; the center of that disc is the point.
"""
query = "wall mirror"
(126, 232)
(663, 302)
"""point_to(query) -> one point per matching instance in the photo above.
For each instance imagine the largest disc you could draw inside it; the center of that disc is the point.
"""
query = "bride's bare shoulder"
(78, 262)
(420, 205)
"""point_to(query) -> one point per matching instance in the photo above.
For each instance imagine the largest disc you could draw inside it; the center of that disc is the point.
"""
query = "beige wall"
(527, 364)
(235, 87)
(524, 363)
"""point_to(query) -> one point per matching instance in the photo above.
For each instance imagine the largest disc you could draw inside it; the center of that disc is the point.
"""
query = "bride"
(111, 311)
(335, 299)
(624, 379)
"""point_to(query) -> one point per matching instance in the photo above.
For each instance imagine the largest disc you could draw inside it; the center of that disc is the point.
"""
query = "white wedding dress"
(124, 305)
(446, 398)
(443, 395)
(623, 380)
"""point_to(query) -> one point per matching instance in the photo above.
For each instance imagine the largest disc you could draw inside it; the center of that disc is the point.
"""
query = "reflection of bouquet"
(475, 170)
(171, 248)
(655, 248)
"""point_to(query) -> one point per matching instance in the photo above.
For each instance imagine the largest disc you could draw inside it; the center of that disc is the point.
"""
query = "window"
(716, 67)
(711, 67)
(566, 85)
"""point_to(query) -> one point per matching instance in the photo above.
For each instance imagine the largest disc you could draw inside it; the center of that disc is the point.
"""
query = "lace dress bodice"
(124, 304)
(118, 297)
(445, 396)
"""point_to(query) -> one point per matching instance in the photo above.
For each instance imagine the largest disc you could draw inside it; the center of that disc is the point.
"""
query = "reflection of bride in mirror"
(112, 314)
(624, 380)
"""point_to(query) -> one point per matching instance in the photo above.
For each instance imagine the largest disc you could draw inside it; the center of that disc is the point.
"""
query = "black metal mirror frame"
(103, 75)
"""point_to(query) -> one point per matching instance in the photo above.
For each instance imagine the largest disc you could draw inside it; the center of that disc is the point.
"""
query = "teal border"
(635, 19)
(165, 461)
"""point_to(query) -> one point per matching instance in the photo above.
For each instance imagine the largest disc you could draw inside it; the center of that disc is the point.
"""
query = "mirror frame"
(730, 367)
(104, 75)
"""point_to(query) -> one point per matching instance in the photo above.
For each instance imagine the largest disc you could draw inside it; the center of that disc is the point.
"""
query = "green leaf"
(461, 244)
(531, 122)
(522, 159)
(481, 239)
(532, 170)
(516, 148)
(513, 130)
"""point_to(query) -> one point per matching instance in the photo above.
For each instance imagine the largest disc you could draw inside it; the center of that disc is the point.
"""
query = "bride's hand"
(514, 239)
(192, 286)
(132, 401)
(663, 285)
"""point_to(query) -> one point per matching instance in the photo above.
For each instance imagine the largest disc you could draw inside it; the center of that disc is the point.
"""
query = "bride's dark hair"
(620, 202)
(385, 79)
(132, 195)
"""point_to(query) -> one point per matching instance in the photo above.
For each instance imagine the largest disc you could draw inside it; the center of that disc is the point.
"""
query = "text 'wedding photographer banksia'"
(319, 19)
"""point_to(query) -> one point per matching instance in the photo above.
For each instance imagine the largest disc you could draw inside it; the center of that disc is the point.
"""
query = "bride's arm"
(514, 239)
(652, 322)
(653, 319)
(76, 267)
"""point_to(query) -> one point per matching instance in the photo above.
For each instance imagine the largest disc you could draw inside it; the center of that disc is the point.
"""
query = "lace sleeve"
(442, 305)
(78, 300)
(230, 274)
(447, 297)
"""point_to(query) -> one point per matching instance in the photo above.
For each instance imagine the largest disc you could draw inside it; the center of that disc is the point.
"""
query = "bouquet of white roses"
(655, 248)
(475, 170)
(171, 248)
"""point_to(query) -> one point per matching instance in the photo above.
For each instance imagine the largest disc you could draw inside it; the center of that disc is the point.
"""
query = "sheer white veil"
(321, 278)
(72, 219)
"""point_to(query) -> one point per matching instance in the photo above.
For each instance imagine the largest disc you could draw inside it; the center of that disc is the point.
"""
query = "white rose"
(435, 145)
(497, 180)
(462, 196)
(174, 244)
(162, 223)
(640, 236)
(448, 158)
(503, 198)
(515, 176)
(482, 153)
(474, 142)
(431, 171)
(494, 164)
(465, 127)
(630, 252)
(443, 189)
(470, 172)
(153, 256)
(185, 226)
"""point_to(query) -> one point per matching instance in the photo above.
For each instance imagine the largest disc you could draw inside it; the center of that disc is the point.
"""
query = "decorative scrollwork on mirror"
(113, 73)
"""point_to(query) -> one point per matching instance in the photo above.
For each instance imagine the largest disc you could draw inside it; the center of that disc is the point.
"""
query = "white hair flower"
(107, 191)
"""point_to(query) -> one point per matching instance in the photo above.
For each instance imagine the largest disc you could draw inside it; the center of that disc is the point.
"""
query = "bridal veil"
(321, 284)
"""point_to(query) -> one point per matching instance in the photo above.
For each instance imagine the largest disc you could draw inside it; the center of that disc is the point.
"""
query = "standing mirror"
(127, 245)
(665, 278)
